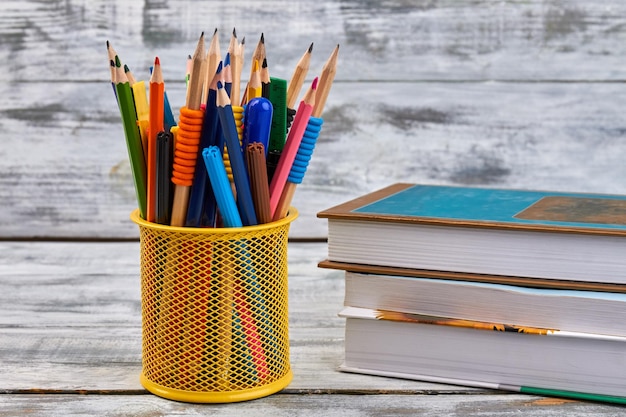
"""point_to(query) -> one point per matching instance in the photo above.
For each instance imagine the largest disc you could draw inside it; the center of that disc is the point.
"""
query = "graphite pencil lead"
(311, 48)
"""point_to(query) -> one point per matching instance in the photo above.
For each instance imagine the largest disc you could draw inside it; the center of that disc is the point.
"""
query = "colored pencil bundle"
(219, 115)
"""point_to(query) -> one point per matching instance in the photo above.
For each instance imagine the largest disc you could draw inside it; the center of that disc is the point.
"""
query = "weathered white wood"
(395, 40)
(279, 405)
(70, 319)
(68, 173)
(514, 94)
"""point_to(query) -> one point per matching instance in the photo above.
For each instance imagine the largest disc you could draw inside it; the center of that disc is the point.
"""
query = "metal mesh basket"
(214, 311)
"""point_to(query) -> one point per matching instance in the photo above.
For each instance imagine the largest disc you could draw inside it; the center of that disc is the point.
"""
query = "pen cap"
(257, 122)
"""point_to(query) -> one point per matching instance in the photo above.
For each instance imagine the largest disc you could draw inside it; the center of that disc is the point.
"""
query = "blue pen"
(240, 173)
(221, 186)
(257, 122)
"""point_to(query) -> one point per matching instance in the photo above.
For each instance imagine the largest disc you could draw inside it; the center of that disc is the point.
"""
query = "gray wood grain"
(314, 404)
(553, 121)
(68, 173)
(394, 40)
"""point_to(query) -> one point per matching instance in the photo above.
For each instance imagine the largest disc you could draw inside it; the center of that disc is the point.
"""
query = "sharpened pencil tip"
(234, 33)
(157, 61)
(311, 48)
(227, 59)
(108, 44)
(243, 41)
(262, 38)
(118, 63)
(314, 84)
(215, 32)
(220, 85)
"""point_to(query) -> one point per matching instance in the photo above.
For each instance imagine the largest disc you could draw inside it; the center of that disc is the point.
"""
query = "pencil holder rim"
(292, 214)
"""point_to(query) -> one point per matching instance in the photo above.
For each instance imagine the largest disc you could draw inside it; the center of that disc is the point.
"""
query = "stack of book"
(504, 289)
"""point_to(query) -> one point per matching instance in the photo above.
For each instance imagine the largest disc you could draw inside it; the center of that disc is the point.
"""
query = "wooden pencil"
(133, 138)
(255, 87)
(235, 68)
(213, 59)
(185, 155)
(326, 81)
(258, 54)
(129, 75)
(157, 88)
(265, 79)
(297, 79)
(111, 54)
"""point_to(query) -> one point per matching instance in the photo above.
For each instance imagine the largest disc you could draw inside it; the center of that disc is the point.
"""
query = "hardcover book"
(487, 355)
(563, 310)
(496, 232)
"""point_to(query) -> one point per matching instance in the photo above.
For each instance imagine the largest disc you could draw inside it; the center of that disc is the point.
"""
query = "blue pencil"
(201, 201)
(240, 174)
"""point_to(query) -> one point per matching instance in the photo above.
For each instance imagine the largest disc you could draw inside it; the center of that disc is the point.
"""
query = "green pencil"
(133, 138)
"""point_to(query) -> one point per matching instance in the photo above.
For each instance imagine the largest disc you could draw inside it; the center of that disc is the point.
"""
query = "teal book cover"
(487, 206)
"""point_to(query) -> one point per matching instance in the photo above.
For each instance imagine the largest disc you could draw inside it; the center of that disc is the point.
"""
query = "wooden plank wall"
(527, 94)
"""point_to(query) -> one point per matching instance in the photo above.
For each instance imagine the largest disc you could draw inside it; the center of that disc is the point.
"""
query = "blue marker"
(257, 122)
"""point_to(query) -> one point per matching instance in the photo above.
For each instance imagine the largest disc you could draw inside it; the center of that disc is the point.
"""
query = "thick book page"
(522, 253)
(565, 310)
(589, 364)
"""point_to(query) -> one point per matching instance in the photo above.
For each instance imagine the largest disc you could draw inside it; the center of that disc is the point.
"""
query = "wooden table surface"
(524, 94)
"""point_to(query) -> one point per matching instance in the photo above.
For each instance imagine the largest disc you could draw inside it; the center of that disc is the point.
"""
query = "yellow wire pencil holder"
(214, 311)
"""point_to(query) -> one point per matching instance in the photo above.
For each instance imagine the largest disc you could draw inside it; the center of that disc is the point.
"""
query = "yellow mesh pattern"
(214, 309)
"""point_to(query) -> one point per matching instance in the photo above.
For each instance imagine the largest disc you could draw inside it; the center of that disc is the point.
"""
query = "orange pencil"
(157, 88)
